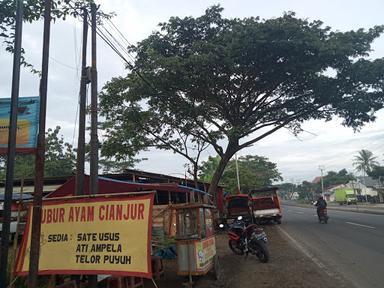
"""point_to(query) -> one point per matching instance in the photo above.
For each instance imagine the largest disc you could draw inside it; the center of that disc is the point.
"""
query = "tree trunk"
(219, 171)
(195, 176)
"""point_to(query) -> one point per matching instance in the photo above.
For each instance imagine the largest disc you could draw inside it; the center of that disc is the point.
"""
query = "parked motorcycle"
(247, 239)
(323, 216)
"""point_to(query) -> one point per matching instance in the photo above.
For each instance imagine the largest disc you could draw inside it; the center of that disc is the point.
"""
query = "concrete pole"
(322, 182)
(82, 110)
(40, 154)
(94, 165)
(11, 152)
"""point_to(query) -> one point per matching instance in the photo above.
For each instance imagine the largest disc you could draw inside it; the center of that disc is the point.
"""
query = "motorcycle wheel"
(233, 245)
(261, 251)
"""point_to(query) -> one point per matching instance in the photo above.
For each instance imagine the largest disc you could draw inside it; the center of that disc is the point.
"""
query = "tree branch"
(174, 149)
(285, 122)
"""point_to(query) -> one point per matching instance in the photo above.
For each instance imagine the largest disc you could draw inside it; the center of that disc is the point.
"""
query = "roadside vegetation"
(365, 163)
(254, 172)
(60, 159)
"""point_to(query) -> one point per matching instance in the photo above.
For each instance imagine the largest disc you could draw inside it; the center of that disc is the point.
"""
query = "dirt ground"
(287, 267)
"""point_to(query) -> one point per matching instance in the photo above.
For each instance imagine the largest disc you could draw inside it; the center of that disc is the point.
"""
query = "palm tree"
(365, 161)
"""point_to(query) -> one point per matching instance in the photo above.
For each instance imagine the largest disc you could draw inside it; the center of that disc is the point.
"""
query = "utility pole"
(237, 174)
(292, 181)
(94, 140)
(11, 147)
(80, 159)
(94, 169)
(321, 167)
(365, 186)
(40, 154)
(82, 109)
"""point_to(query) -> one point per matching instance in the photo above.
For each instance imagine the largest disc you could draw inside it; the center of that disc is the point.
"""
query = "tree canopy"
(233, 82)
(336, 178)
(60, 159)
(254, 172)
(377, 173)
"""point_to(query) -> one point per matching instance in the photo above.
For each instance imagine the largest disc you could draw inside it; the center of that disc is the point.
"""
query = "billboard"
(93, 236)
(27, 124)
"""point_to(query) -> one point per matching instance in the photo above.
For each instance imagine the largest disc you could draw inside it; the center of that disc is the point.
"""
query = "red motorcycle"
(323, 216)
(248, 238)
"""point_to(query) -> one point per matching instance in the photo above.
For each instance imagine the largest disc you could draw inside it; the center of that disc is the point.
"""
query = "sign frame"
(19, 263)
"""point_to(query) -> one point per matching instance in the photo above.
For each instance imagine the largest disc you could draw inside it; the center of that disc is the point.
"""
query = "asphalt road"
(350, 247)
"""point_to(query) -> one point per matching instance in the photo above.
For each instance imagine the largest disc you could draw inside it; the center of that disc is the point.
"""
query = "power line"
(61, 63)
(119, 32)
(110, 43)
(124, 49)
(77, 54)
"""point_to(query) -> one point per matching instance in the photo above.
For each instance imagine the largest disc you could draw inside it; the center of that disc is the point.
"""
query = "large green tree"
(377, 173)
(286, 190)
(254, 172)
(60, 158)
(208, 168)
(336, 178)
(307, 191)
(233, 82)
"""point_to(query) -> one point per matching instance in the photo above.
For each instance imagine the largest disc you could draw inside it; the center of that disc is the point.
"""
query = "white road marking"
(299, 212)
(356, 224)
(307, 253)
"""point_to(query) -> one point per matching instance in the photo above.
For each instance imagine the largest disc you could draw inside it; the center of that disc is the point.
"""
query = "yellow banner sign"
(205, 251)
(22, 132)
(93, 236)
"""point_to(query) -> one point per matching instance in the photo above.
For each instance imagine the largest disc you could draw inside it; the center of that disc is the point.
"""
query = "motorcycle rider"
(320, 204)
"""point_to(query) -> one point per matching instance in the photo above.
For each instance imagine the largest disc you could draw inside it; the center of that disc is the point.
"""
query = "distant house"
(295, 196)
(329, 193)
(373, 188)
(366, 188)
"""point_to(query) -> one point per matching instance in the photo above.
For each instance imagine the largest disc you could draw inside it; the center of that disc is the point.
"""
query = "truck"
(345, 196)
(266, 205)
(238, 205)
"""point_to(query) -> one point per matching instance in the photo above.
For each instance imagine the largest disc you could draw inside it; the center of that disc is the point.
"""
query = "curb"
(359, 210)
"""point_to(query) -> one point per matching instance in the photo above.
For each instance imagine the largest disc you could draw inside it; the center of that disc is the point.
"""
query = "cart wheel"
(216, 267)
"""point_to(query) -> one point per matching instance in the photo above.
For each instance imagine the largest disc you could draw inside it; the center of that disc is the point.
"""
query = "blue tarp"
(16, 196)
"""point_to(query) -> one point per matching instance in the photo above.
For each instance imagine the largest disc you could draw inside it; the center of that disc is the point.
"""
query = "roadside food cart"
(195, 241)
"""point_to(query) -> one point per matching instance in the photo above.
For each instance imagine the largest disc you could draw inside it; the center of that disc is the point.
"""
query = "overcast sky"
(298, 158)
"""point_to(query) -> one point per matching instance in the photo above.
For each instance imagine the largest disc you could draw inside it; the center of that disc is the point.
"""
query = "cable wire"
(108, 41)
